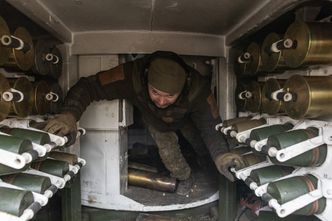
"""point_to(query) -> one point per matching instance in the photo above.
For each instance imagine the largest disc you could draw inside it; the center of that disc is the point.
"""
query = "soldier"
(170, 95)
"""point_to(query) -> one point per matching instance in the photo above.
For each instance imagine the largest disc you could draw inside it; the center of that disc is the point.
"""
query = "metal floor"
(205, 185)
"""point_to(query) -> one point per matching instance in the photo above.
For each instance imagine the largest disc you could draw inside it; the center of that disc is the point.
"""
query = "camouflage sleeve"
(205, 116)
(105, 85)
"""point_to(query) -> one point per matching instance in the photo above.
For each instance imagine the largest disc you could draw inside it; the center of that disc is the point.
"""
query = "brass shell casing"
(255, 64)
(253, 104)
(56, 68)
(5, 106)
(151, 180)
(18, 59)
(23, 108)
(313, 44)
(269, 105)
(4, 51)
(241, 102)
(312, 96)
(271, 61)
(40, 104)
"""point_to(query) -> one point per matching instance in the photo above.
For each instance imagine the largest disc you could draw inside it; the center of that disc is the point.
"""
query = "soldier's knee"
(181, 174)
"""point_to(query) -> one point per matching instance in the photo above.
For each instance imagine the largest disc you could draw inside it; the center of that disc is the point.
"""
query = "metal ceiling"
(197, 16)
(116, 26)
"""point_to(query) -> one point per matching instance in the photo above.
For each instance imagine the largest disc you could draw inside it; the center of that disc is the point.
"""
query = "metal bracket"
(225, 130)
(295, 204)
(7, 216)
(259, 144)
(244, 173)
(14, 160)
(13, 122)
(218, 127)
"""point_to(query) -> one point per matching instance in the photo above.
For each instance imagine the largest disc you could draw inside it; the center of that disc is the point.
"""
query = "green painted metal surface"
(228, 202)
(54, 167)
(271, 216)
(312, 158)
(14, 201)
(288, 189)
(35, 136)
(15, 145)
(71, 200)
(268, 174)
(265, 132)
(29, 182)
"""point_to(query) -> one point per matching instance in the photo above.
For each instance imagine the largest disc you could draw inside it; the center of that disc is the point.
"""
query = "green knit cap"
(166, 75)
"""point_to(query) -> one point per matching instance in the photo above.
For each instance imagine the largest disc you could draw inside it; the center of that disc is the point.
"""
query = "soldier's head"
(166, 79)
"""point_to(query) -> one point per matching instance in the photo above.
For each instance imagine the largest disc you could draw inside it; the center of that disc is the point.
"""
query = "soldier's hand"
(62, 124)
(226, 161)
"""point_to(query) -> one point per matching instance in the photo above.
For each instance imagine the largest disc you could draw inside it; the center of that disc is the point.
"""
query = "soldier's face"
(162, 99)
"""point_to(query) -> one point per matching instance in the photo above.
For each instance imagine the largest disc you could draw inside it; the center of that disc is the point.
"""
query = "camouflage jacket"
(129, 81)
